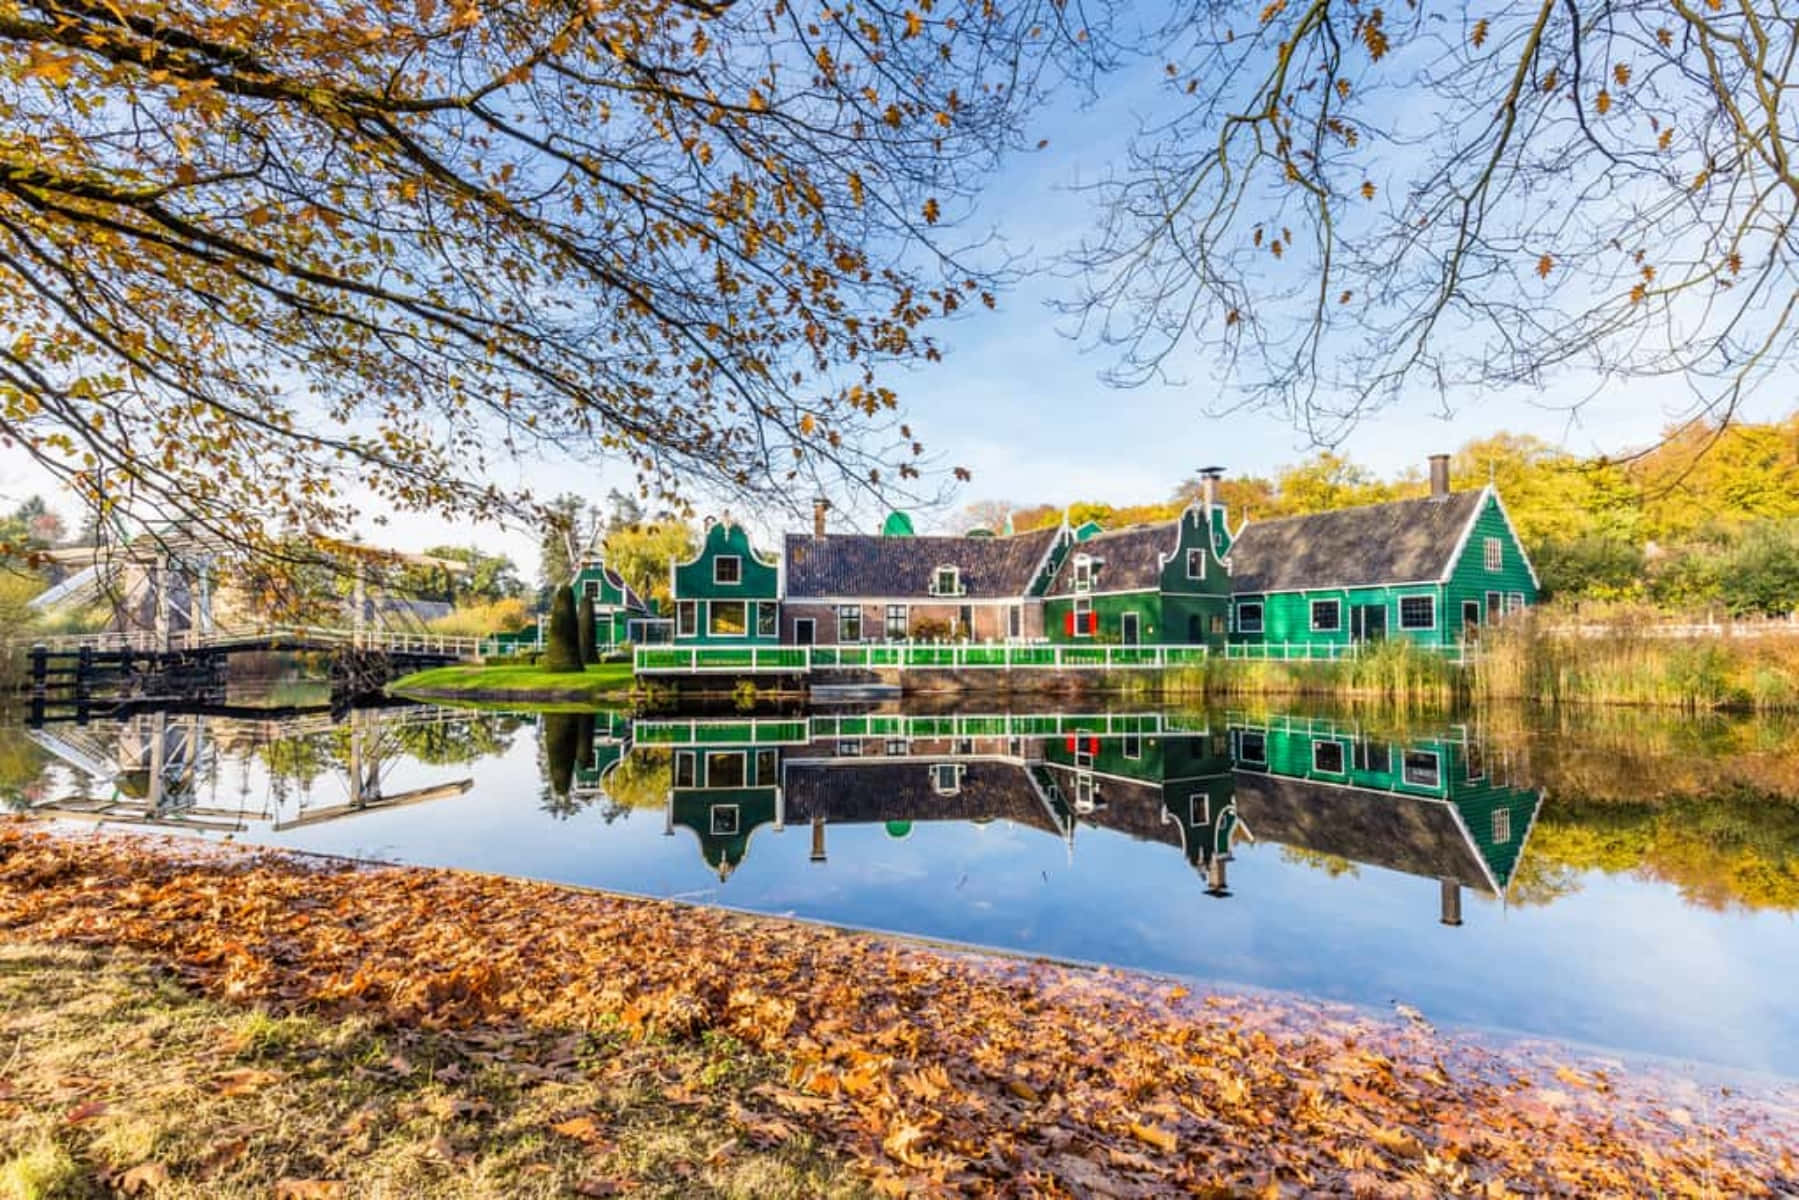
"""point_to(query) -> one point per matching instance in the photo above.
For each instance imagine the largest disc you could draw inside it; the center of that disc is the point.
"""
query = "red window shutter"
(1093, 745)
(1068, 621)
(1092, 622)
(1071, 743)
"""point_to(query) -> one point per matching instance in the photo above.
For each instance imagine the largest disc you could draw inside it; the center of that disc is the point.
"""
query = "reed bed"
(1395, 673)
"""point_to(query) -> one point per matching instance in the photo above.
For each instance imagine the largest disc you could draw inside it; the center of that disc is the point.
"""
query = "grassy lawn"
(115, 1080)
(603, 681)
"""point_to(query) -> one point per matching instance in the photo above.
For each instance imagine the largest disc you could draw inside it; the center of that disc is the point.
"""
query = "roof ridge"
(1347, 508)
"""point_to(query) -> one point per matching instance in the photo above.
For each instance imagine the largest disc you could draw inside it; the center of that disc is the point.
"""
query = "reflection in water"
(1645, 903)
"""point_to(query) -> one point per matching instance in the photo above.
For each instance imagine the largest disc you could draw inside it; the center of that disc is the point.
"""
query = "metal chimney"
(1439, 476)
(820, 506)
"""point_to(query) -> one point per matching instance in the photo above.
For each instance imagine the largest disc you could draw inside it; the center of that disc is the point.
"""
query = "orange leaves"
(1664, 36)
(1545, 265)
(244, 1081)
(53, 68)
(1367, 189)
(1665, 138)
(1551, 80)
(1156, 1136)
(1477, 37)
(1373, 36)
(1602, 103)
(310, 1189)
(1273, 9)
(914, 24)
(931, 211)
(1621, 74)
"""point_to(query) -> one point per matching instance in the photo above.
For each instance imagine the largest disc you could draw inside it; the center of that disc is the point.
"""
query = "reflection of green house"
(721, 796)
(1169, 788)
(1431, 806)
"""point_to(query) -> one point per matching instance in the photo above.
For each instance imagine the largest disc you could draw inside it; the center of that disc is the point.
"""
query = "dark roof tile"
(1129, 559)
(855, 564)
(1403, 541)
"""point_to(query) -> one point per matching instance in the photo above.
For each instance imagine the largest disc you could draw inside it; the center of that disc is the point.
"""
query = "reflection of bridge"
(148, 770)
(274, 637)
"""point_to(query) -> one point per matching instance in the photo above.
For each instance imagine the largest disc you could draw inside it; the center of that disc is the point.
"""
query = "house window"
(591, 589)
(1477, 763)
(897, 747)
(727, 619)
(727, 568)
(1422, 768)
(1253, 748)
(1494, 555)
(946, 581)
(1327, 757)
(724, 820)
(1417, 612)
(946, 778)
(1083, 752)
(849, 749)
(1373, 757)
(1083, 793)
(725, 769)
(898, 623)
(1083, 617)
(1199, 809)
(1502, 826)
(684, 768)
(768, 619)
(766, 761)
(687, 618)
(849, 622)
(1514, 601)
(1196, 564)
(1133, 745)
(1083, 573)
(1249, 618)
(1327, 616)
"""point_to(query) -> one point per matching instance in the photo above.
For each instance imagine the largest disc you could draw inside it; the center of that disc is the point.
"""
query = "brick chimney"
(1439, 476)
(820, 506)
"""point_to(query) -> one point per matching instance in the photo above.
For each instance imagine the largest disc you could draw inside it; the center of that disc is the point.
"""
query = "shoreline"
(1035, 1067)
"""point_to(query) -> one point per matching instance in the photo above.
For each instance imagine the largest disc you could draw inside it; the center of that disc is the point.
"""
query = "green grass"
(121, 1082)
(604, 681)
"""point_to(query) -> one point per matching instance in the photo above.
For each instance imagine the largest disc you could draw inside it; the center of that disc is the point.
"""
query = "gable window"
(1196, 564)
(946, 778)
(1422, 768)
(1327, 616)
(591, 589)
(727, 568)
(684, 768)
(1417, 612)
(898, 623)
(768, 619)
(1495, 556)
(725, 769)
(946, 581)
(727, 619)
(849, 622)
(687, 618)
(724, 820)
(1249, 618)
(1253, 748)
(1327, 757)
(1502, 826)
(1199, 809)
(1083, 573)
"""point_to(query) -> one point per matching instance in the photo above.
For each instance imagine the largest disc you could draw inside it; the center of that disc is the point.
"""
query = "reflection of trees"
(442, 743)
(21, 765)
(640, 781)
(562, 738)
(299, 759)
(1333, 865)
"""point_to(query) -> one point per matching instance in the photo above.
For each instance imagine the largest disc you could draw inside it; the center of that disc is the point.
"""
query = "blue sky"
(1021, 404)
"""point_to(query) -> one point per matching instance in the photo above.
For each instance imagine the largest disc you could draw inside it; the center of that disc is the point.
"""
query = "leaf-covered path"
(926, 1068)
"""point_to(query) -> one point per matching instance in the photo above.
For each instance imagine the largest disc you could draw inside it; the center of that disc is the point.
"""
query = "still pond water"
(1622, 880)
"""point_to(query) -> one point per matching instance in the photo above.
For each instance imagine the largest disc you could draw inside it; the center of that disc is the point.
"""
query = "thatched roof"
(1404, 541)
(854, 564)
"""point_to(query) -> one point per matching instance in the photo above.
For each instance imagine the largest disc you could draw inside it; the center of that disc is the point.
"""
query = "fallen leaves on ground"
(934, 1070)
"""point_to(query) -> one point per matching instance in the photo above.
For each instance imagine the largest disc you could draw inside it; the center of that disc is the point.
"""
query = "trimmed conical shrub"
(562, 652)
(584, 617)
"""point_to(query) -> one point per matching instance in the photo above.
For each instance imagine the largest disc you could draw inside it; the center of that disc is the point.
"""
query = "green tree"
(562, 649)
(584, 618)
(1761, 575)
(1589, 566)
(640, 554)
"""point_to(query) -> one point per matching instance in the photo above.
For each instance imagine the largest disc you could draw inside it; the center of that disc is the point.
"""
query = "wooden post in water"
(818, 838)
(1216, 883)
(1452, 902)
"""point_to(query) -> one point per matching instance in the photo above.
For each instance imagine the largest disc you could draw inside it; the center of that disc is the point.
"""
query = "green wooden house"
(1153, 584)
(620, 616)
(1435, 806)
(727, 594)
(1433, 570)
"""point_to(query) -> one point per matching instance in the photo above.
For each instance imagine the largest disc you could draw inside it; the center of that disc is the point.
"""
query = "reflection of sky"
(1622, 962)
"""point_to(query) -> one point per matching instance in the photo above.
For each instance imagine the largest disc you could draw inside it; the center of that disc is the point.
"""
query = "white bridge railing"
(145, 641)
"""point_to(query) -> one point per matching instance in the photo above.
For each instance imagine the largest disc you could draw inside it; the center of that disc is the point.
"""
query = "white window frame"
(1475, 766)
(687, 618)
(1260, 608)
(1336, 625)
(736, 561)
(849, 748)
(736, 820)
(591, 590)
(1502, 826)
(1431, 597)
(712, 610)
(955, 581)
(847, 612)
(772, 626)
(693, 768)
(1342, 757)
(1083, 792)
(773, 758)
(1133, 746)
(1200, 551)
(743, 767)
(1243, 754)
(1514, 602)
(1436, 770)
(1199, 808)
(905, 623)
(1083, 609)
(1365, 748)
(1135, 618)
(897, 747)
(946, 778)
(1083, 572)
(1493, 554)
(1083, 750)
